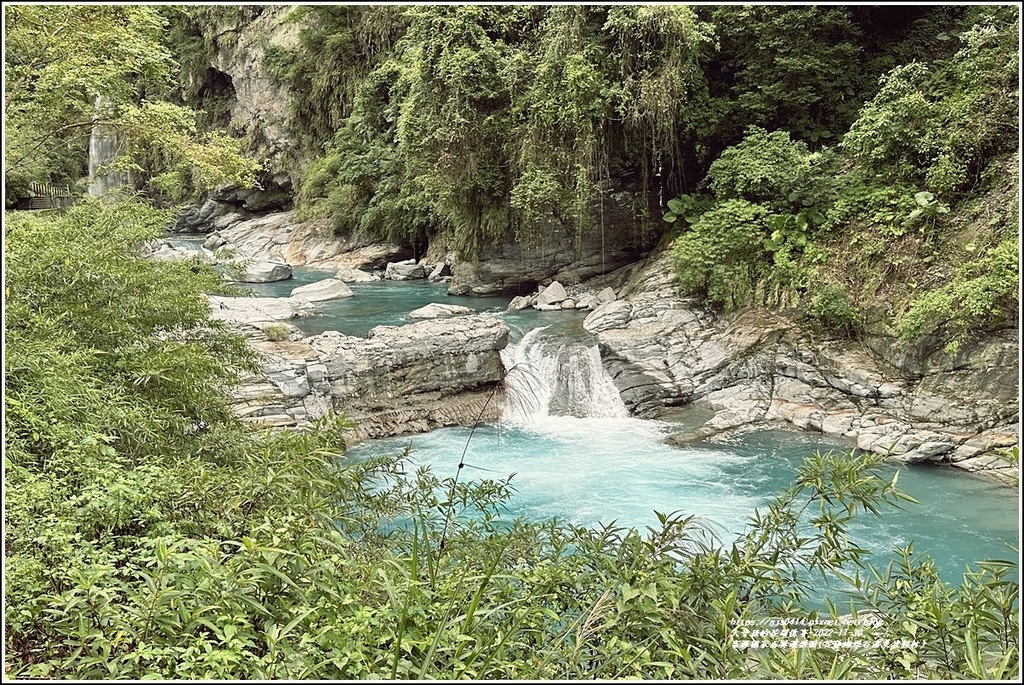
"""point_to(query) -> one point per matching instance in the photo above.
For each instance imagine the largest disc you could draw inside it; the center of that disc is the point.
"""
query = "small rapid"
(550, 377)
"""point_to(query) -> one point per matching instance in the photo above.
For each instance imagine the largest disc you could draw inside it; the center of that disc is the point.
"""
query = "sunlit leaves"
(61, 59)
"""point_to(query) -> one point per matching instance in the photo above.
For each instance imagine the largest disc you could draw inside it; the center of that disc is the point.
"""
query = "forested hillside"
(854, 167)
(828, 157)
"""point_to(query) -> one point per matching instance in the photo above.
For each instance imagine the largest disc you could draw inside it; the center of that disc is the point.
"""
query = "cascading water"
(551, 377)
(576, 454)
(103, 150)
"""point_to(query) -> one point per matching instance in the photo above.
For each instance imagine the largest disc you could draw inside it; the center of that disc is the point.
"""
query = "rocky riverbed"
(665, 354)
(756, 366)
(402, 379)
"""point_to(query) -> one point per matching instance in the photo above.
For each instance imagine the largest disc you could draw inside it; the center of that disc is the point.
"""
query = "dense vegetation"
(60, 60)
(150, 534)
(805, 142)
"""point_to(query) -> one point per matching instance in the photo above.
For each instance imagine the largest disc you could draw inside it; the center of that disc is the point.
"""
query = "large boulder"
(281, 237)
(440, 272)
(257, 310)
(327, 289)
(263, 272)
(436, 310)
(519, 303)
(349, 275)
(404, 271)
(553, 294)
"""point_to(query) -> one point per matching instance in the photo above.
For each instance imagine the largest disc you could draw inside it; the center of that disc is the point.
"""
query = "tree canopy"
(60, 59)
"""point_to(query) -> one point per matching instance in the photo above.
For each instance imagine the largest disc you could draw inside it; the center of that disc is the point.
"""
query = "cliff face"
(259, 107)
(513, 267)
(757, 366)
(406, 379)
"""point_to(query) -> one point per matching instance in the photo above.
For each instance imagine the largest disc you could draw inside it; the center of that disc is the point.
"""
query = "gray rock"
(165, 251)
(519, 303)
(586, 301)
(568, 304)
(437, 310)
(213, 241)
(291, 380)
(927, 451)
(440, 271)
(754, 366)
(608, 316)
(256, 310)
(553, 294)
(327, 289)
(264, 272)
(605, 295)
(355, 276)
(557, 251)
(404, 271)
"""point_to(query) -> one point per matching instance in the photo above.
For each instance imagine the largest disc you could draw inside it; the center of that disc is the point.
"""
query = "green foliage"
(61, 58)
(792, 230)
(482, 123)
(940, 124)
(832, 311)
(337, 50)
(106, 349)
(277, 331)
(689, 207)
(881, 208)
(788, 68)
(764, 167)
(720, 256)
(969, 631)
(927, 211)
(984, 293)
(150, 535)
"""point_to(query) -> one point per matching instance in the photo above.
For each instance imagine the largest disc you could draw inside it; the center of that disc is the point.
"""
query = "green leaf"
(923, 198)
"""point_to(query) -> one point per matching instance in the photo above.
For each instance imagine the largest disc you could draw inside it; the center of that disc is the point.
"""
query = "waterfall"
(103, 149)
(552, 377)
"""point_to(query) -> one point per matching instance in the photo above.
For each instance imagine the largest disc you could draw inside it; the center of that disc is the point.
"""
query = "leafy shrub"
(868, 204)
(940, 124)
(892, 130)
(764, 167)
(277, 332)
(833, 312)
(787, 67)
(983, 293)
(719, 258)
(689, 207)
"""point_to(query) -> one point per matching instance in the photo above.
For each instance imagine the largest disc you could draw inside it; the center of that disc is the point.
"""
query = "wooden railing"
(47, 196)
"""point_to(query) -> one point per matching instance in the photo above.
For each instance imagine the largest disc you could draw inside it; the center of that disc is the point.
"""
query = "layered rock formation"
(758, 366)
(516, 267)
(257, 311)
(402, 379)
(281, 237)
